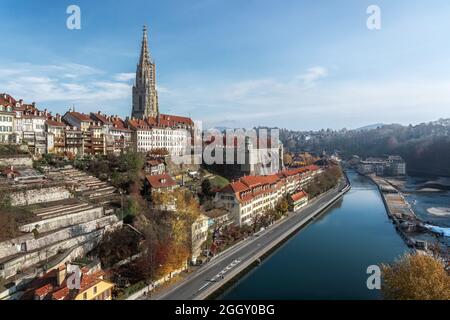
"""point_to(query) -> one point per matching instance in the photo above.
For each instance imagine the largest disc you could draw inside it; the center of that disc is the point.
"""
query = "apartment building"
(6, 123)
(117, 135)
(389, 166)
(56, 135)
(165, 132)
(253, 195)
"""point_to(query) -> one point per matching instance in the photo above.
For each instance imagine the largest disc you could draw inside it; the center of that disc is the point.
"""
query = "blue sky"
(237, 63)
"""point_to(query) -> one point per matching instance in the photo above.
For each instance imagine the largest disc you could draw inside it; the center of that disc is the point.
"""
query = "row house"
(56, 136)
(23, 123)
(30, 127)
(164, 132)
(93, 132)
(254, 195)
(118, 136)
(75, 132)
(6, 121)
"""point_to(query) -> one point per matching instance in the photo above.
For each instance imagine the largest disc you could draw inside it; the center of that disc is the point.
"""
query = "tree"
(282, 206)
(5, 199)
(287, 159)
(8, 226)
(118, 245)
(207, 187)
(416, 277)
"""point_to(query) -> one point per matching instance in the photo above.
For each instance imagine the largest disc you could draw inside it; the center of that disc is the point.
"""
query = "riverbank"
(413, 230)
(227, 266)
(244, 268)
(329, 257)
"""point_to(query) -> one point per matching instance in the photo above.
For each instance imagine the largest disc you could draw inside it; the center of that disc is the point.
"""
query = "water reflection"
(329, 258)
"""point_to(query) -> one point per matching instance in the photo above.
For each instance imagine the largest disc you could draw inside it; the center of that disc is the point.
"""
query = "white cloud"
(124, 77)
(296, 101)
(313, 75)
(63, 85)
(310, 104)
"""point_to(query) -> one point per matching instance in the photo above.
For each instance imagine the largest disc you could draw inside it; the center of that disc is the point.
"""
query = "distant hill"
(370, 127)
(425, 147)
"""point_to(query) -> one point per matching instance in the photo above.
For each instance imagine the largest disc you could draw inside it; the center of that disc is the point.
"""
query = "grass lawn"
(218, 182)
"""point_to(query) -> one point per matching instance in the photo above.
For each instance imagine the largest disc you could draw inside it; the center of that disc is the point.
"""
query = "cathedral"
(145, 96)
(152, 130)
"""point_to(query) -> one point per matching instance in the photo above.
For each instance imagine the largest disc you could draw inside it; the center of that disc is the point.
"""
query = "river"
(328, 259)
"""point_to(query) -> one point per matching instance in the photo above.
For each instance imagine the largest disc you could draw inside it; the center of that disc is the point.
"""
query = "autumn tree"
(282, 206)
(416, 277)
(118, 245)
(179, 223)
(287, 159)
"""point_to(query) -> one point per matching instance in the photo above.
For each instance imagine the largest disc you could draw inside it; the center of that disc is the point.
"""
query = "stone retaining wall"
(13, 246)
(64, 221)
(16, 161)
(41, 195)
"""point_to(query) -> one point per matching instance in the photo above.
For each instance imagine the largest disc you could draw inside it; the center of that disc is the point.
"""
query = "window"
(85, 296)
(95, 290)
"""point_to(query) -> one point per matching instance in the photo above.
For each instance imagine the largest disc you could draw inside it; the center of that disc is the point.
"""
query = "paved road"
(223, 267)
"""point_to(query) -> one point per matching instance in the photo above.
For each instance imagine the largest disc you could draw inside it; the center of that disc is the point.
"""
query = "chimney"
(61, 275)
(58, 117)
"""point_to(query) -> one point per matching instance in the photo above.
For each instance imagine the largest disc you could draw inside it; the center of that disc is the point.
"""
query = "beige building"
(299, 200)
(199, 234)
(254, 195)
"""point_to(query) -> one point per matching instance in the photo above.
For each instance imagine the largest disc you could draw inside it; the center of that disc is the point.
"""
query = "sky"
(296, 64)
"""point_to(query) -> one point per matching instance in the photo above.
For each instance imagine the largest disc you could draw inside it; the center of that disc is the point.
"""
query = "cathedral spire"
(145, 96)
(145, 54)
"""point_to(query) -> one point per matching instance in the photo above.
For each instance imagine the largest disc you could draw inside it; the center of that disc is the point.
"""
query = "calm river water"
(329, 258)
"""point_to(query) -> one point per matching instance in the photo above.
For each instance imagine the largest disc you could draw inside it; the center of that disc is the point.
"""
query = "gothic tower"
(145, 96)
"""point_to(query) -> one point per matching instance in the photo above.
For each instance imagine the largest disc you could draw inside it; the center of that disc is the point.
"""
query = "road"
(225, 266)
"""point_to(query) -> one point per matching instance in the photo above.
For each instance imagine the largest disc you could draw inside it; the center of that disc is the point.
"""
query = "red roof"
(54, 123)
(80, 116)
(250, 186)
(45, 290)
(161, 181)
(163, 121)
(119, 124)
(100, 117)
(7, 101)
(87, 281)
(170, 120)
(47, 287)
(299, 195)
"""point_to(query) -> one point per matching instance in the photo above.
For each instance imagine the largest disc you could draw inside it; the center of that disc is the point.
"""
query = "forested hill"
(425, 147)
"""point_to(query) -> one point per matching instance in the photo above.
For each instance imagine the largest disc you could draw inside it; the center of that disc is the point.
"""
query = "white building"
(254, 195)
(170, 133)
(6, 123)
(199, 234)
